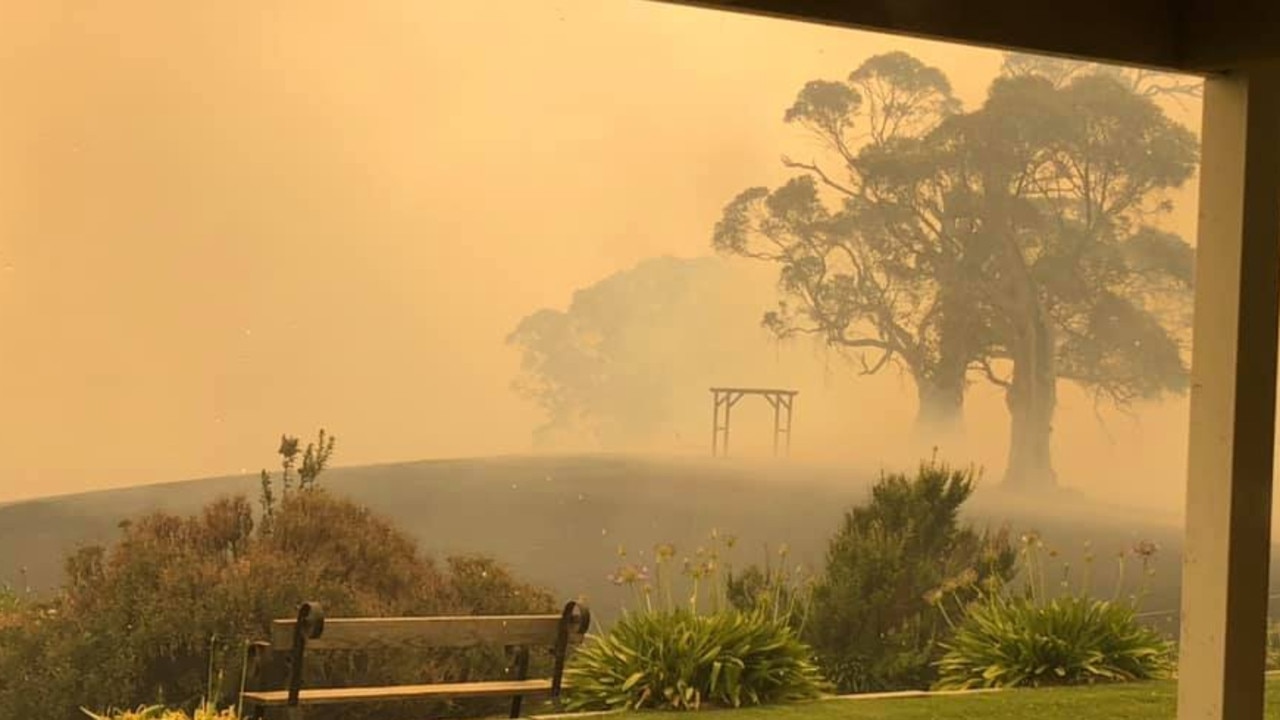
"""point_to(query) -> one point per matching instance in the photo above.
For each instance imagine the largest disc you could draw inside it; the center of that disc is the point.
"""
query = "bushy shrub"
(138, 623)
(698, 651)
(1035, 637)
(24, 670)
(872, 624)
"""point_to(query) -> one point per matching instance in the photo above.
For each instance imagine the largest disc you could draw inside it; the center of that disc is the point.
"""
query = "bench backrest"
(425, 633)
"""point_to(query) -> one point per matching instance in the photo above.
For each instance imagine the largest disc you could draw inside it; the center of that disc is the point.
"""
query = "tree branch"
(984, 365)
(885, 357)
(822, 175)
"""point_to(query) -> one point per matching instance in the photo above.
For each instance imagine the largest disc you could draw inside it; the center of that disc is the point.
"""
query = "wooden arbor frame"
(782, 402)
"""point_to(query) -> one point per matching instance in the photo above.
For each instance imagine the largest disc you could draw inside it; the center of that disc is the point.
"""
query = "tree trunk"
(1032, 399)
(941, 384)
(1032, 392)
(940, 415)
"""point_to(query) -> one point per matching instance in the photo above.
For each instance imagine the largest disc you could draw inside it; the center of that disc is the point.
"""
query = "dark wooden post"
(775, 400)
(790, 403)
(573, 613)
(728, 408)
(260, 662)
(715, 424)
(309, 626)
(522, 673)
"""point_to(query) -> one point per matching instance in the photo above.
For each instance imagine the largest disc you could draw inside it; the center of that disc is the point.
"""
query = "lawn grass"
(1134, 701)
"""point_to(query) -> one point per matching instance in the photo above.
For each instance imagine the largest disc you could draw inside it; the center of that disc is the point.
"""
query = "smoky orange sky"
(224, 221)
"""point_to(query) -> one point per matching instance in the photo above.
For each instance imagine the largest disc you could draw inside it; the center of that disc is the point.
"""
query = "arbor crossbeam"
(782, 402)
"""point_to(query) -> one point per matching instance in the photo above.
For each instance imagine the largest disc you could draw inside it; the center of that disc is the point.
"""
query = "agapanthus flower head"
(1145, 548)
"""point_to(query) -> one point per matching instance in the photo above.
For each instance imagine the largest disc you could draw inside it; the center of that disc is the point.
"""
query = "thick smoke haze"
(224, 221)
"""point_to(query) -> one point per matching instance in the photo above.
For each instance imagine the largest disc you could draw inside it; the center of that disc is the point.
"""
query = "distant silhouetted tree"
(619, 363)
(1012, 243)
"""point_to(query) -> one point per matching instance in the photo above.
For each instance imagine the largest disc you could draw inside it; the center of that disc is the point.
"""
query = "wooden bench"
(292, 640)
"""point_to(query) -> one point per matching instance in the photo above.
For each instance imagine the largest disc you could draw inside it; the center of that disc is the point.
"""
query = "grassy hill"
(559, 520)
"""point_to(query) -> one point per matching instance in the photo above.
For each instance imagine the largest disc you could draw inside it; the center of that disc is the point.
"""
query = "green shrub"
(1016, 642)
(871, 624)
(693, 652)
(1035, 637)
(680, 660)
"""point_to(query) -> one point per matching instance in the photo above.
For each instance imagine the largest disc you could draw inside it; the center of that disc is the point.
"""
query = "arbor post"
(776, 402)
(715, 424)
(790, 403)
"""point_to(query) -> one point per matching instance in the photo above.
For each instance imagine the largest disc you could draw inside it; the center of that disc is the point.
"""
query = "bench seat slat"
(320, 696)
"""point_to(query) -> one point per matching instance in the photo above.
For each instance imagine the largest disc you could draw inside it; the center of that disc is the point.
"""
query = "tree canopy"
(1014, 243)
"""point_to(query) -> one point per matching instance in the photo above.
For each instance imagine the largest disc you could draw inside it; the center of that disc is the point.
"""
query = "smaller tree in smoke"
(633, 353)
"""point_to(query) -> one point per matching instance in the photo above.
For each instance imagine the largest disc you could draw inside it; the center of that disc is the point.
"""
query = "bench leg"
(522, 673)
(259, 661)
